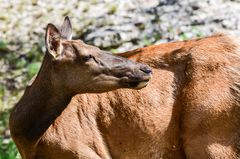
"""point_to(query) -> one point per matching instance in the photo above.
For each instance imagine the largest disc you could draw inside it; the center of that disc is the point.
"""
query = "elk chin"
(138, 83)
(141, 85)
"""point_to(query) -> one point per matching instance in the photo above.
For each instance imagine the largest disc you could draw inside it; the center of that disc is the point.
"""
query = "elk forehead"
(82, 48)
(77, 48)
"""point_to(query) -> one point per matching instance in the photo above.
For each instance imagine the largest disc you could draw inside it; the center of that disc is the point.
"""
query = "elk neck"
(40, 105)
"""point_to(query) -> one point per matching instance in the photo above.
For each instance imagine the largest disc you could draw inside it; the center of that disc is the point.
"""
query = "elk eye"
(87, 57)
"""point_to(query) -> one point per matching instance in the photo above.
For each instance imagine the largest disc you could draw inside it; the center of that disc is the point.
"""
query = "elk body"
(190, 109)
(69, 67)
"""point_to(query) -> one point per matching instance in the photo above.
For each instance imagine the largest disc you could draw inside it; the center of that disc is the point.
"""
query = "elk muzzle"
(130, 74)
(136, 78)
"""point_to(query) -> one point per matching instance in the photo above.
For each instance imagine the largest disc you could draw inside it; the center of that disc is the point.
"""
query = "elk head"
(81, 68)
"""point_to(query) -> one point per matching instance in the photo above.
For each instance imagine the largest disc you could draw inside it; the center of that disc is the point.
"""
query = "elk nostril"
(146, 69)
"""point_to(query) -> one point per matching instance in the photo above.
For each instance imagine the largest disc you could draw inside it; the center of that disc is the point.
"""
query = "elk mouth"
(135, 82)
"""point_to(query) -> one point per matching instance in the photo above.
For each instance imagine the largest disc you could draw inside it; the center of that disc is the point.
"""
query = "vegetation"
(7, 147)
(15, 71)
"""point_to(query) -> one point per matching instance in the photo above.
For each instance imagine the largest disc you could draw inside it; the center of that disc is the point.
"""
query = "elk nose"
(146, 69)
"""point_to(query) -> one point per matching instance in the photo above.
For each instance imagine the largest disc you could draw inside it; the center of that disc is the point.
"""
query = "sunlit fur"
(190, 109)
(69, 67)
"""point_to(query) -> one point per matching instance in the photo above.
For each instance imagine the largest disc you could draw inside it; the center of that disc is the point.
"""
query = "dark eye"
(87, 57)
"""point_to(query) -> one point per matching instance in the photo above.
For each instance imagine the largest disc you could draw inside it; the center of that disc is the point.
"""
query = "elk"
(69, 67)
(189, 109)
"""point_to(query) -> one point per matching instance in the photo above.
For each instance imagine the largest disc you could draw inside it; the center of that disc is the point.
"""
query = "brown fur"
(190, 109)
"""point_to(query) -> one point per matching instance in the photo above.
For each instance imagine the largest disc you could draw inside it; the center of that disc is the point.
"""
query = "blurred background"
(113, 25)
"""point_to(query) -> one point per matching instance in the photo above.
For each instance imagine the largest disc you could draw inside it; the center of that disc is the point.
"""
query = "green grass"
(8, 149)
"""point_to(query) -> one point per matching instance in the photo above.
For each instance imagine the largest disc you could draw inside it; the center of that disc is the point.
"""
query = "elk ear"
(53, 40)
(66, 29)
